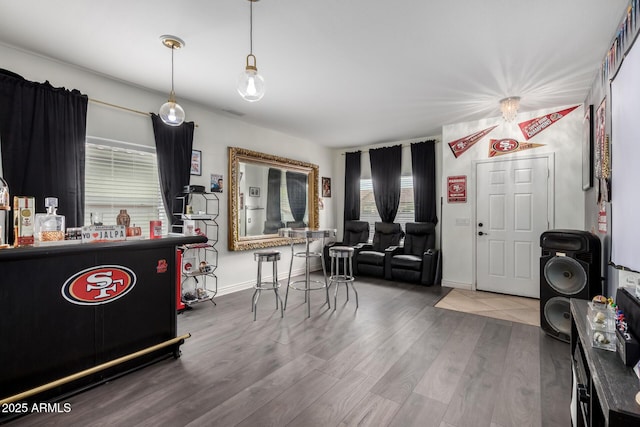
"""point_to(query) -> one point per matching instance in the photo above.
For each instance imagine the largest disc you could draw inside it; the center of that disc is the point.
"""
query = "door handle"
(480, 233)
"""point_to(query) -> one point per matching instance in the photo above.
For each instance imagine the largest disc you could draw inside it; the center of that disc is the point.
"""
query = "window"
(369, 212)
(122, 176)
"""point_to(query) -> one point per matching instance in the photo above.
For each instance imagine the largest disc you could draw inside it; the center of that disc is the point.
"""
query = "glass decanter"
(50, 225)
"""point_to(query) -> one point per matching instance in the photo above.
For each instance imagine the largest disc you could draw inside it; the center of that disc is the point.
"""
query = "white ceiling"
(341, 73)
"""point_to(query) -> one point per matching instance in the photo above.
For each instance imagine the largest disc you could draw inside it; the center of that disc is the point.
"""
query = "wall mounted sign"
(602, 219)
(498, 147)
(532, 127)
(457, 189)
(461, 145)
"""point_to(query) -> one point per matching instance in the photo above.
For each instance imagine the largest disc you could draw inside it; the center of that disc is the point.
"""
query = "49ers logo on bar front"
(99, 285)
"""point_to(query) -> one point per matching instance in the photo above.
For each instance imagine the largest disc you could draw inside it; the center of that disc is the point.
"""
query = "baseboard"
(282, 278)
(457, 285)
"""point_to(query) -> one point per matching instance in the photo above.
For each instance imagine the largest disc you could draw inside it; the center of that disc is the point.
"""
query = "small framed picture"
(216, 183)
(587, 149)
(326, 187)
(196, 162)
(254, 191)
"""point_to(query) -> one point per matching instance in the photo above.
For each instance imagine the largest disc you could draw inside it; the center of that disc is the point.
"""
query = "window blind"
(123, 176)
(369, 212)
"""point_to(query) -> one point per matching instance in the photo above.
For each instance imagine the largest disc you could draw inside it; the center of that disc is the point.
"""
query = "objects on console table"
(604, 389)
(308, 235)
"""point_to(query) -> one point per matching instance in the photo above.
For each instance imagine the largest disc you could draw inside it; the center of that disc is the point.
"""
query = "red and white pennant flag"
(461, 145)
(498, 147)
(532, 127)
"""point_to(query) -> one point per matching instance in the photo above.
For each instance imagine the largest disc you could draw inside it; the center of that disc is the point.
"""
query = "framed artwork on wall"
(326, 187)
(196, 162)
(587, 149)
(599, 137)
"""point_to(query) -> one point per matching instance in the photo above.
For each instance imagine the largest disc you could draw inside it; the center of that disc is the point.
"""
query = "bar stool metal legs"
(344, 254)
(308, 255)
(273, 257)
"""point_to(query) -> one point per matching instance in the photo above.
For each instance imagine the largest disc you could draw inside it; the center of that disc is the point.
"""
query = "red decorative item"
(532, 127)
(461, 145)
(457, 189)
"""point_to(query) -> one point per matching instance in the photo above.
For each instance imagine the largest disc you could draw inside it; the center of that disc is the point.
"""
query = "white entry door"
(512, 209)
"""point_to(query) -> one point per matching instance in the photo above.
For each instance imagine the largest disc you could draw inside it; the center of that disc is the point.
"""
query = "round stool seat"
(341, 251)
(267, 256)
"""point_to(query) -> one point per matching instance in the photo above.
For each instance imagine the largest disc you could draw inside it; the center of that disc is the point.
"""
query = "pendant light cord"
(172, 49)
(251, 27)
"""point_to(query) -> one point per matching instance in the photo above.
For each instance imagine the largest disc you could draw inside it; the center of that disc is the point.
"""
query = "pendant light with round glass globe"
(250, 83)
(171, 112)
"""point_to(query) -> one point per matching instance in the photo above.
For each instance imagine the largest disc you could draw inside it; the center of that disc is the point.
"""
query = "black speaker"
(570, 267)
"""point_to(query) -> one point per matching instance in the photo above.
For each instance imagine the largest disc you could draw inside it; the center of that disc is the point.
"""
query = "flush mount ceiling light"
(250, 83)
(171, 112)
(509, 107)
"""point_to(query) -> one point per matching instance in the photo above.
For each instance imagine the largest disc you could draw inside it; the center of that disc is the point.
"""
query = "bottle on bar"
(50, 225)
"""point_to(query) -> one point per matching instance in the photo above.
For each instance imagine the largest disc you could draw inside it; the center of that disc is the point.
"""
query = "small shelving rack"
(198, 281)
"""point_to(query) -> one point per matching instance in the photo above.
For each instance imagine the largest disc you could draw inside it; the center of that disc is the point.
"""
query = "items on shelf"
(600, 318)
(198, 281)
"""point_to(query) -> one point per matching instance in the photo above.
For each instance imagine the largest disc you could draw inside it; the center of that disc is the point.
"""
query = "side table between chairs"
(273, 257)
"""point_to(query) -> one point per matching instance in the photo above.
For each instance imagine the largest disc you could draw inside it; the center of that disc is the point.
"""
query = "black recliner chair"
(368, 259)
(355, 232)
(415, 261)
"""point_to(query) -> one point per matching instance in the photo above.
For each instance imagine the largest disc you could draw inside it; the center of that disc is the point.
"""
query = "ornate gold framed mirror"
(267, 193)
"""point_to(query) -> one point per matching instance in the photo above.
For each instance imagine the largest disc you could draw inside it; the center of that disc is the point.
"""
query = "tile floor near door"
(497, 306)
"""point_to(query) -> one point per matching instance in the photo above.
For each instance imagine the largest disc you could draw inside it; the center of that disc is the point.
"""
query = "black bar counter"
(70, 307)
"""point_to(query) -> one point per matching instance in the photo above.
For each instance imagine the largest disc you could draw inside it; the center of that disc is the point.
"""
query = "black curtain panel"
(43, 134)
(386, 166)
(174, 145)
(297, 191)
(273, 195)
(423, 163)
(352, 169)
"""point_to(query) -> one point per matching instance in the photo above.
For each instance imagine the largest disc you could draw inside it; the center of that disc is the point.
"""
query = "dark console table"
(70, 308)
(604, 388)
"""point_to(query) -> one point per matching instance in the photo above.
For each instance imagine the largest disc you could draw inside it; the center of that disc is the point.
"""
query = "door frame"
(474, 214)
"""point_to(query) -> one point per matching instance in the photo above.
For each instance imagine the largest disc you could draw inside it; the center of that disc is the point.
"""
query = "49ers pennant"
(532, 127)
(498, 147)
(461, 145)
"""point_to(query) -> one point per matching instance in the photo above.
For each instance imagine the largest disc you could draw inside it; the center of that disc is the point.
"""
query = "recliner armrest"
(388, 254)
(429, 263)
(394, 250)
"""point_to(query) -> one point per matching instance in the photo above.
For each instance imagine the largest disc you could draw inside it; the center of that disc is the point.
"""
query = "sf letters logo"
(99, 285)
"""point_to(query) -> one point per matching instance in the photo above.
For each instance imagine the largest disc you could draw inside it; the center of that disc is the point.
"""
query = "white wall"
(564, 138)
(214, 133)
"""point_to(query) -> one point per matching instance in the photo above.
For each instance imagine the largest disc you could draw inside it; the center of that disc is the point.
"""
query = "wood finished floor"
(396, 361)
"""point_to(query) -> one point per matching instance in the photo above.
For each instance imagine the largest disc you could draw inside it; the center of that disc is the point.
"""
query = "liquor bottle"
(50, 225)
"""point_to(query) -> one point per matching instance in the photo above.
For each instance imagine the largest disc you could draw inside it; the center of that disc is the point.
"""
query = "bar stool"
(344, 253)
(307, 284)
(266, 256)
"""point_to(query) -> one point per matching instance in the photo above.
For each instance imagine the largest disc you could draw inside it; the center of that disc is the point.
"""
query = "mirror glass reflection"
(268, 193)
(282, 202)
